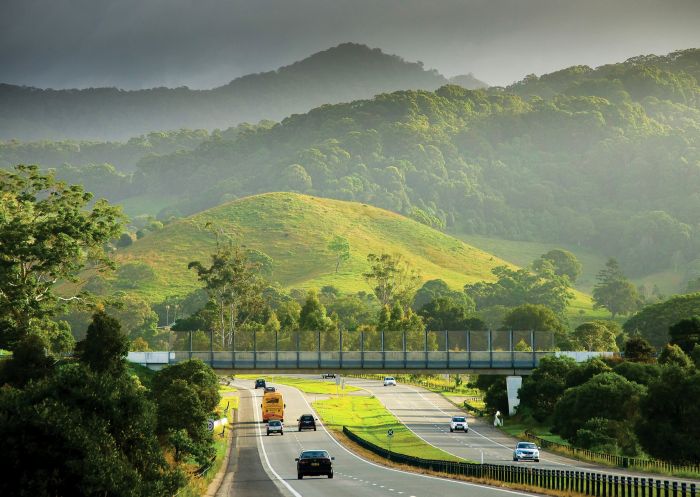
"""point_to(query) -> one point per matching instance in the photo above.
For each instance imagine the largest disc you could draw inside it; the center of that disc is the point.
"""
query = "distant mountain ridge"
(343, 73)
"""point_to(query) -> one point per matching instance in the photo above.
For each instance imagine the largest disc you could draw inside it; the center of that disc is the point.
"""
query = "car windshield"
(311, 454)
(388, 378)
(457, 419)
(307, 417)
(274, 423)
(526, 445)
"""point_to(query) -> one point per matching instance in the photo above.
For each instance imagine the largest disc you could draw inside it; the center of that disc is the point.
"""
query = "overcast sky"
(205, 43)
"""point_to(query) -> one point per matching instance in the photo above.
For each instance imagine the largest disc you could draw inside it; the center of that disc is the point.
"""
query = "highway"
(273, 472)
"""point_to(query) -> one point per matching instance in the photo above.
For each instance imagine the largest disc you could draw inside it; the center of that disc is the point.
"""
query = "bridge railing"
(442, 350)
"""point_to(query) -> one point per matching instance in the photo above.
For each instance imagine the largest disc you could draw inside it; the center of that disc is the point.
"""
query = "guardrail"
(614, 460)
(582, 482)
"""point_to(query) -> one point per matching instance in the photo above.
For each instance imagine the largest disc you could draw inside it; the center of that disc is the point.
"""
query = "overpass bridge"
(488, 352)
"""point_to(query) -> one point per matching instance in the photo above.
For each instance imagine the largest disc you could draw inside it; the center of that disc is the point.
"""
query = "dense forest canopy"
(340, 74)
(605, 158)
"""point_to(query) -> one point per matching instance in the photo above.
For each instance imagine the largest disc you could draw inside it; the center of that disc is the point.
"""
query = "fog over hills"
(340, 74)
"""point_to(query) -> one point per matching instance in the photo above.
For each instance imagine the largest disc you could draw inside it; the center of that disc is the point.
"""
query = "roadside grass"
(369, 419)
(303, 384)
(516, 427)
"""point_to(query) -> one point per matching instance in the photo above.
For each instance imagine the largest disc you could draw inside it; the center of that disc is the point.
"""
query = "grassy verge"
(516, 428)
(368, 418)
(305, 385)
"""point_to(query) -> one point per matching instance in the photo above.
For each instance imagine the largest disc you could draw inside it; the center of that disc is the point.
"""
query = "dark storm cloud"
(203, 43)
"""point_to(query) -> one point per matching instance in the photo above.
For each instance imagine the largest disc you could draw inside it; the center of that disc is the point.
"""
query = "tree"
(639, 350)
(124, 240)
(433, 289)
(606, 395)
(613, 291)
(638, 372)
(395, 322)
(518, 287)
(668, 415)
(49, 233)
(564, 262)
(542, 389)
(444, 313)
(654, 321)
(594, 336)
(105, 347)
(673, 354)
(234, 287)
(392, 278)
(496, 396)
(585, 371)
(686, 333)
(81, 432)
(313, 318)
(340, 248)
(533, 317)
(29, 362)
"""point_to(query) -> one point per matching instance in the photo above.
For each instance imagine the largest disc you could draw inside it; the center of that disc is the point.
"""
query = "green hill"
(294, 230)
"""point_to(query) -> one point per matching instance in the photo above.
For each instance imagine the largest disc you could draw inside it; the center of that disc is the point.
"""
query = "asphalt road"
(354, 476)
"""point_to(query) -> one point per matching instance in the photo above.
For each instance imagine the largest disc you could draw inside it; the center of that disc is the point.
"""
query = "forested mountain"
(604, 158)
(343, 73)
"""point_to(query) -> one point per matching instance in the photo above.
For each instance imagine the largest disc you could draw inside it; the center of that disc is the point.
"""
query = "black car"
(314, 463)
(307, 422)
(260, 383)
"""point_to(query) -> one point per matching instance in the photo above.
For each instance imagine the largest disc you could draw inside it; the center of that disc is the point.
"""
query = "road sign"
(210, 424)
(390, 433)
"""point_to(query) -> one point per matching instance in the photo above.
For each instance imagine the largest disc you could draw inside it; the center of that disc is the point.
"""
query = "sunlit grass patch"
(369, 419)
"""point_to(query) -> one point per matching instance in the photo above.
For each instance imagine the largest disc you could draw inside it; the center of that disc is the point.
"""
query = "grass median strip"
(369, 419)
(303, 384)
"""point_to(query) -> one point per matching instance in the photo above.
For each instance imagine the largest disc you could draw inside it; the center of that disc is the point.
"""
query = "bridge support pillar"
(513, 384)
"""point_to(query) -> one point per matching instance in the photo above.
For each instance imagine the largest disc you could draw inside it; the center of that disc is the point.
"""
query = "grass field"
(305, 385)
(369, 419)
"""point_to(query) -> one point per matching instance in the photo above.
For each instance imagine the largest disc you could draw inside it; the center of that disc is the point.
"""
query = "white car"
(389, 381)
(275, 426)
(459, 423)
(526, 451)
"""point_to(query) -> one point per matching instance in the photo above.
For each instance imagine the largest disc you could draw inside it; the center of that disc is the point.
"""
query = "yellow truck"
(272, 406)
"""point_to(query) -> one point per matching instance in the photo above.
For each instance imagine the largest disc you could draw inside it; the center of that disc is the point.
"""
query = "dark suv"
(260, 383)
(307, 422)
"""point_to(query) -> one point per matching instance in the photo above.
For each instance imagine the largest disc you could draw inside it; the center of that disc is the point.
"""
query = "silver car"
(526, 451)
(275, 426)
